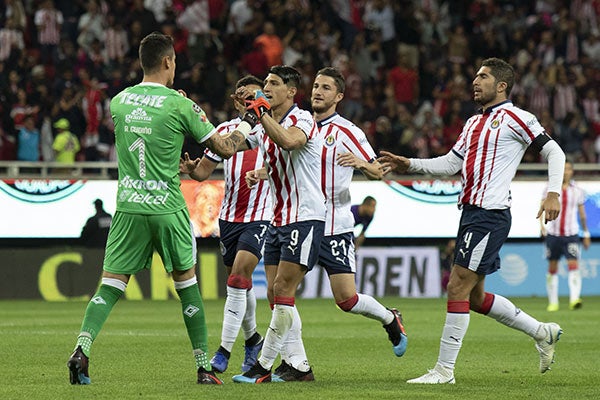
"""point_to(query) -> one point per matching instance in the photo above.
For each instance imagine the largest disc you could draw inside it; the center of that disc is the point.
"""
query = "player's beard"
(485, 98)
(321, 107)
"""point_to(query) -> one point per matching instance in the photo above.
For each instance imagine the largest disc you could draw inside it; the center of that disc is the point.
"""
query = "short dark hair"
(502, 71)
(249, 80)
(369, 199)
(340, 81)
(152, 49)
(289, 75)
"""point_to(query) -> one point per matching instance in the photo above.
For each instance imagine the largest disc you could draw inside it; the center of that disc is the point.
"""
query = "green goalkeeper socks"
(195, 323)
(96, 314)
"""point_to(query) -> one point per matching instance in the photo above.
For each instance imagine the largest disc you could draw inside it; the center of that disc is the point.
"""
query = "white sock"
(454, 331)
(293, 347)
(233, 314)
(552, 288)
(574, 285)
(281, 322)
(371, 308)
(249, 321)
(505, 312)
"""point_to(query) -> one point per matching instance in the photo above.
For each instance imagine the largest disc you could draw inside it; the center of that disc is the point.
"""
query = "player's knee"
(348, 304)
(239, 281)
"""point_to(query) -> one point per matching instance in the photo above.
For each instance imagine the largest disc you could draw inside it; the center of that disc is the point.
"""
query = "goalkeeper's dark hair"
(249, 80)
(502, 71)
(340, 81)
(152, 49)
(289, 75)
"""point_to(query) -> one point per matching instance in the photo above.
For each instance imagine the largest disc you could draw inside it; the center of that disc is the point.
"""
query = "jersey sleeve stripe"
(522, 124)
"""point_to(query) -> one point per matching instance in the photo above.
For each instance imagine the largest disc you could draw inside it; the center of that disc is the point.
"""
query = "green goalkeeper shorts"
(133, 238)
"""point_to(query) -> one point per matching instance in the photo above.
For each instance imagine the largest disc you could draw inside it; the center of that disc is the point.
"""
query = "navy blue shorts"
(480, 236)
(337, 254)
(235, 236)
(298, 243)
(558, 246)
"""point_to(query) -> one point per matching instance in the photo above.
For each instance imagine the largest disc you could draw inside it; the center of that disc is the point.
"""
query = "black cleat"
(286, 373)
(78, 368)
(396, 333)
(256, 374)
(208, 377)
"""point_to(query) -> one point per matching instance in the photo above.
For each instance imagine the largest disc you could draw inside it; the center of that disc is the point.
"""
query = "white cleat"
(435, 376)
(546, 345)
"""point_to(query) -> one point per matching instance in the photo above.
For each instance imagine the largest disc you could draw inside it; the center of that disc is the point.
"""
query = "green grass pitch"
(143, 353)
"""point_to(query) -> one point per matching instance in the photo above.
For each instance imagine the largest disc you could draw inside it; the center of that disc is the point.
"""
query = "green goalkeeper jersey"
(151, 122)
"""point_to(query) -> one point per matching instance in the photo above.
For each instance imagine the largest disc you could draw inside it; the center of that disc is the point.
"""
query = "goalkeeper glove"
(259, 106)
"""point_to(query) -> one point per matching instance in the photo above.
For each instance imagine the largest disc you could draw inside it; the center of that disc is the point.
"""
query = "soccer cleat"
(435, 376)
(251, 355)
(552, 307)
(546, 345)
(78, 368)
(575, 305)
(219, 362)
(208, 377)
(396, 333)
(286, 373)
(256, 374)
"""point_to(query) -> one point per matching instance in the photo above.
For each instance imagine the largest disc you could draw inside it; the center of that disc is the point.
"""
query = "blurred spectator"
(22, 108)
(270, 44)
(66, 144)
(116, 43)
(91, 26)
(28, 141)
(49, 21)
(12, 42)
(405, 81)
(379, 17)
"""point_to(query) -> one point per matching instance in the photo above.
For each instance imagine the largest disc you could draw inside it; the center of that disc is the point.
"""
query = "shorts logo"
(495, 124)
(223, 248)
(191, 310)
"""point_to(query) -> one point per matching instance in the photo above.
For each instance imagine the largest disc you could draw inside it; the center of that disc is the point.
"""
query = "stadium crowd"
(408, 64)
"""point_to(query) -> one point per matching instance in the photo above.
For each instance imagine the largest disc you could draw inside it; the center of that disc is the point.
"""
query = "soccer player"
(243, 221)
(363, 215)
(150, 123)
(488, 152)
(562, 239)
(345, 148)
(292, 148)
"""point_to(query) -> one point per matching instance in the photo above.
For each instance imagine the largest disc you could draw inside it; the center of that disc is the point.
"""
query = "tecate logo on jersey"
(40, 190)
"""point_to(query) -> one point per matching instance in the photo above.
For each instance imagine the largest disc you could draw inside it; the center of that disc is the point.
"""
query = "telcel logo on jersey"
(132, 196)
(40, 190)
(138, 115)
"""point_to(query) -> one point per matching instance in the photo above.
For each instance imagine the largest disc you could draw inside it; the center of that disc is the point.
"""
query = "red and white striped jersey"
(491, 146)
(340, 136)
(295, 175)
(49, 22)
(567, 223)
(241, 204)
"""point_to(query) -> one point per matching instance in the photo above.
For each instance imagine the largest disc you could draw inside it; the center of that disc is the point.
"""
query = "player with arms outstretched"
(488, 152)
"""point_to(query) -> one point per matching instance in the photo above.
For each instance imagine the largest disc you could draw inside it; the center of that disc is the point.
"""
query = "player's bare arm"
(393, 163)
(227, 146)
(198, 169)
(372, 170)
